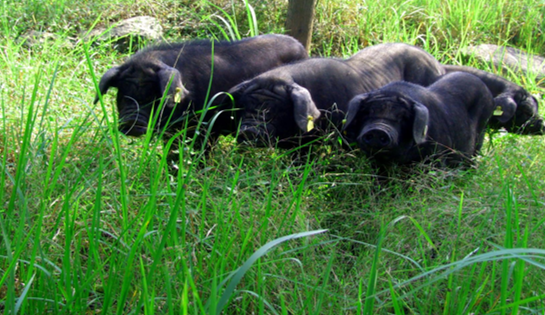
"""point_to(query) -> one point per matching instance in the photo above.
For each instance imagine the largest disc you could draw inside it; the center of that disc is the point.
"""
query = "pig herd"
(396, 102)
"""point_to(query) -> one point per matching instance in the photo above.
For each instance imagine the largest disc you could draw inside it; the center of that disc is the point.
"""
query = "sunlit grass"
(92, 221)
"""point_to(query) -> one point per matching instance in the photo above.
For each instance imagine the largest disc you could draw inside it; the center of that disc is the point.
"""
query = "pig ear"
(106, 81)
(505, 108)
(353, 108)
(304, 110)
(171, 76)
(420, 124)
(241, 88)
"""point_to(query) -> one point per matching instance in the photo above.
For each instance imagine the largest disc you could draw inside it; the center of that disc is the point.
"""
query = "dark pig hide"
(269, 112)
(404, 122)
(289, 101)
(517, 110)
(185, 77)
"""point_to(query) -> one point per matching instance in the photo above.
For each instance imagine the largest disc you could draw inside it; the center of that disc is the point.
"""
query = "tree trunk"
(299, 20)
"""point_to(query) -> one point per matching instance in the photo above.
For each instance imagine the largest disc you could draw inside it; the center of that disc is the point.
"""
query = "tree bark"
(299, 20)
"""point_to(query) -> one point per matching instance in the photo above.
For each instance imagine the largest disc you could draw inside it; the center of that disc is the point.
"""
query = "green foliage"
(94, 222)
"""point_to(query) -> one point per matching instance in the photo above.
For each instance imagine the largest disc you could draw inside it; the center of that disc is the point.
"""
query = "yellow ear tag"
(310, 123)
(178, 95)
(498, 111)
(425, 131)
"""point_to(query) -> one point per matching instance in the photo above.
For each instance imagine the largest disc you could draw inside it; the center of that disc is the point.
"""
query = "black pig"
(273, 112)
(188, 76)
(404, 122)
(283, 101)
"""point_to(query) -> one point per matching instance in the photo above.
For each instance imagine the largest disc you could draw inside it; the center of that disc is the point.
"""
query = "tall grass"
(94, 222)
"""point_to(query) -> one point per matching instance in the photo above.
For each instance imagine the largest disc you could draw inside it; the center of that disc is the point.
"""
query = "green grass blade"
(373, 274)
(396, 303)
(252, 20)
(21, 298)
(237, 275)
